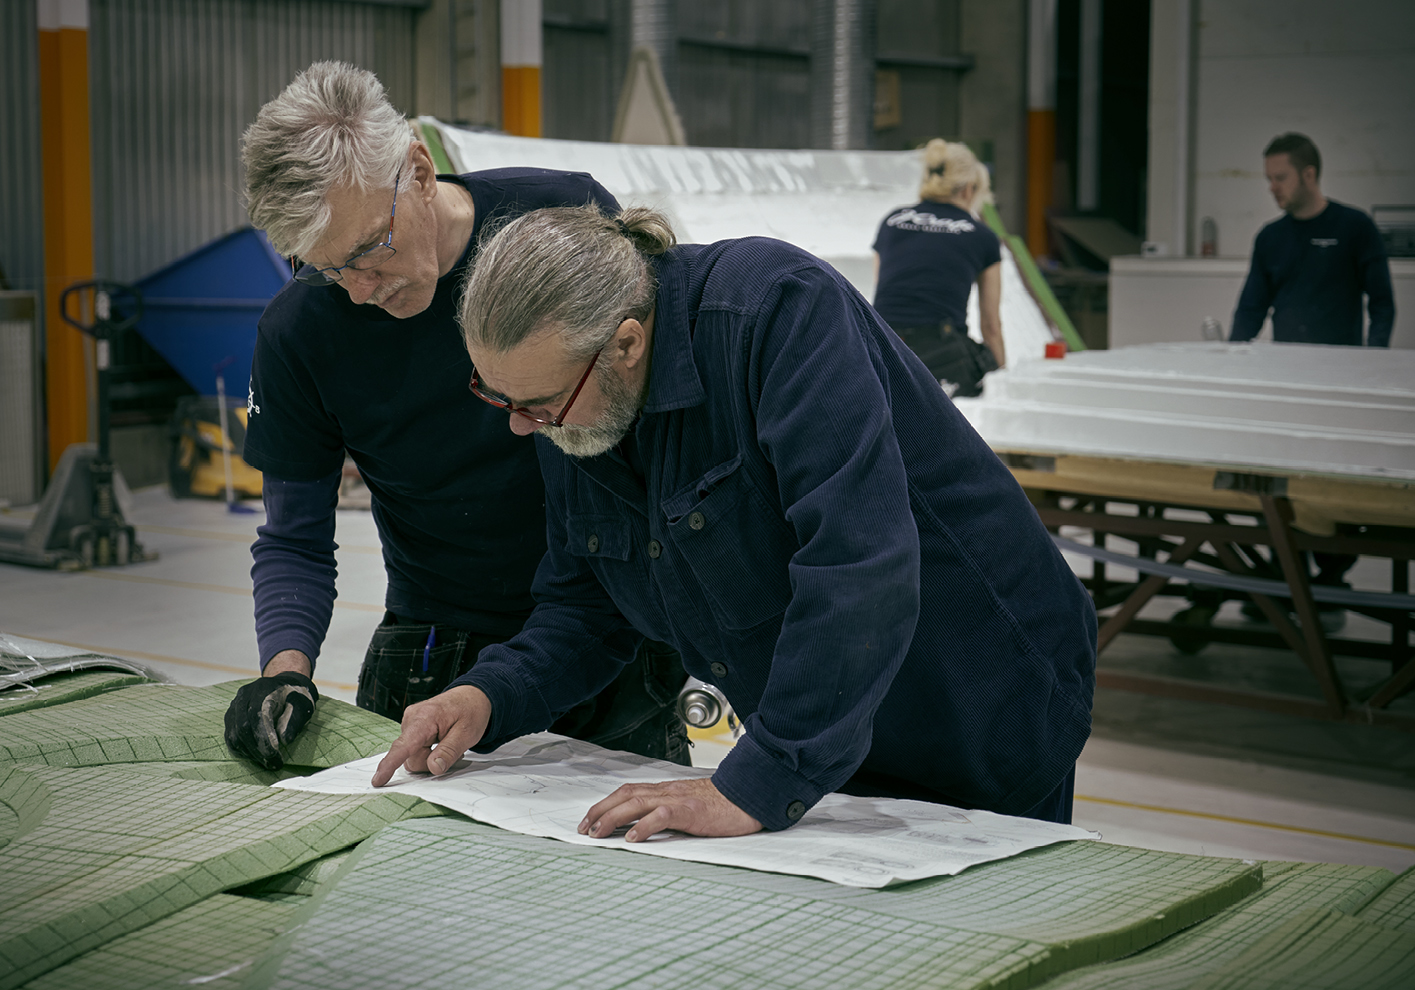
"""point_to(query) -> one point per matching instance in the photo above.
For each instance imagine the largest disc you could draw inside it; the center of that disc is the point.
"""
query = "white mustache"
(382, 298)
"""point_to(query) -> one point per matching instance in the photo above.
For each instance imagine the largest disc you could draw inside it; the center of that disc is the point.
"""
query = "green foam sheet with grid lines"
(532, 914)
(1320, 950)
(213, 944)
(91, 854)
(1289, 890)
(1393, 907)
(58, 689)
(163, 722)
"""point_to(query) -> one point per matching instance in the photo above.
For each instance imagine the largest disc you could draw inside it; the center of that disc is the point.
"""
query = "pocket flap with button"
(597, 536)
(680, 502)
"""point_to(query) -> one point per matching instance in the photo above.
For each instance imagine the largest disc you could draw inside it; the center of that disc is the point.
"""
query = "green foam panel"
(1321, 950)
(58, 689)
(228, 771)
(164, 722)
(305, 881)
(213, 945)
(1289, 890)
(1393, 907)
(533, 913)
(91, 854)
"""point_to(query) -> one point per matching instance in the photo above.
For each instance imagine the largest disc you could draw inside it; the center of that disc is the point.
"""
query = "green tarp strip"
(1036, 282)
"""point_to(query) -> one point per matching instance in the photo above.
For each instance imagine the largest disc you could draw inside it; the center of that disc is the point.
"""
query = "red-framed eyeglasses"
(501, 402)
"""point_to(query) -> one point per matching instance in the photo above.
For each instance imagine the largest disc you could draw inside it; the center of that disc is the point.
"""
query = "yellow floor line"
(163, 658)
(1244, 821)
(246, 538)
(224, 589)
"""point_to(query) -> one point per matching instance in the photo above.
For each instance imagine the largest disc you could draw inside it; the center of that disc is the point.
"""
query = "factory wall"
(992, 109)
(21, 214)
(1339, 73)
(175, 82)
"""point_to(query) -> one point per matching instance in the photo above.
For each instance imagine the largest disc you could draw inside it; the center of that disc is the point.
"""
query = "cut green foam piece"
(612, 918)
(228, 771)
(91, 854)
(305, 880)
(1089, 901)
(162, 722)
(213, 944)
(1289, 890)
(58, 689)
(1393, 907)
(1321, 950)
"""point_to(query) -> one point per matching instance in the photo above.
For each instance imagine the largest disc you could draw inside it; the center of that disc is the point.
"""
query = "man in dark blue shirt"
(361, 352)
(1312, 265)
(743, 460)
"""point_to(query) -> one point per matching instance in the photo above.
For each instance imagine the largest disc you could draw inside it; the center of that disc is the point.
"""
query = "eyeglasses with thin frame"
(362, 261)
(501, 402)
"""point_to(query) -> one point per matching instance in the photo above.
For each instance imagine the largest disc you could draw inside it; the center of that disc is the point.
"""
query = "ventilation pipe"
(842, 73)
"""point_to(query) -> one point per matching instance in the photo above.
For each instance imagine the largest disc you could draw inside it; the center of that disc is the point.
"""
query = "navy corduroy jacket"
(822, 535)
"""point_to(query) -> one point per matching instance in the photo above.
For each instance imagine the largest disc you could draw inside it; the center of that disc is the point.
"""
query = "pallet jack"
(79, 523)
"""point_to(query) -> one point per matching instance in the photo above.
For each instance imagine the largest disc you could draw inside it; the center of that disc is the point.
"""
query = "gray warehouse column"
(655, 26)
(842, 73)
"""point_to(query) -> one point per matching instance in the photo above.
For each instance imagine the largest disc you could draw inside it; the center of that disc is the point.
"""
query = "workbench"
(1223, 466)
(138, 854)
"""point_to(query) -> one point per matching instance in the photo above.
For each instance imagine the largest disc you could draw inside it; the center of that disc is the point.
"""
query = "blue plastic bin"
(202, 309)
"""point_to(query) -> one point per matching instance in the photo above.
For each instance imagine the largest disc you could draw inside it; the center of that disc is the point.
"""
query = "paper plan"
(543, 784)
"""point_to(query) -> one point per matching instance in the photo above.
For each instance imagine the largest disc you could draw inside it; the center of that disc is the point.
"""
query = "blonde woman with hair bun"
(928, 257)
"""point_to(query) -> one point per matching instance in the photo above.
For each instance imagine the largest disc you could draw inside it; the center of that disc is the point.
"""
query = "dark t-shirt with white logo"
(1312, 274)
(930, 254)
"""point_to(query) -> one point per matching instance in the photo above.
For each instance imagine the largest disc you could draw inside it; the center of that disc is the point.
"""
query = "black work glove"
(267, 713)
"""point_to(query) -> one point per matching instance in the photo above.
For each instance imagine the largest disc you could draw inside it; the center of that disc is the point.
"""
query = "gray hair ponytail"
(332, 126)
(573, 270)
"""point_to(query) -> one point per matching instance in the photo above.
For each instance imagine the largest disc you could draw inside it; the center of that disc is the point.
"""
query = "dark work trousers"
(1055, 807)
(637, 712)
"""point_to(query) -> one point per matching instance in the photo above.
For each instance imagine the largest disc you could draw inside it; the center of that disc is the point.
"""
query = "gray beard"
(622, 405)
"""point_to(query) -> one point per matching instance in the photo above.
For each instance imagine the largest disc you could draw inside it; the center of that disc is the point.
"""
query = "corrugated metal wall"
(175, 82)
(21, 205)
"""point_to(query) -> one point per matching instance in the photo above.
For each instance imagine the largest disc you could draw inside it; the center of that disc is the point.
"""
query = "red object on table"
(1056, 349)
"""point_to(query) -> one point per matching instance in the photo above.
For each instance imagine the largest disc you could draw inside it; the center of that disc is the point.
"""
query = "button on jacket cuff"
(755, 782)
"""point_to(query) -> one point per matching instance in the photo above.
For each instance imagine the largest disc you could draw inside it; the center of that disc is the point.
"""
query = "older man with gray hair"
(743, 460)
(361, 353)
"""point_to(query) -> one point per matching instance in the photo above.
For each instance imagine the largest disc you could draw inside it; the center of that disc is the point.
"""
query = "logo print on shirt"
(1324, 242)
(911, 219)
(251, 407)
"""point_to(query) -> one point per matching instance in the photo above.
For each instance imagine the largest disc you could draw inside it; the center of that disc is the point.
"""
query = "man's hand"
(269, 712)
(455, 721)
(696, 807)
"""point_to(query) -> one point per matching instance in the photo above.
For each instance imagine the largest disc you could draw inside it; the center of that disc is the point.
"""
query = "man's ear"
(424, 171)
(631, 343)
(1309, 175)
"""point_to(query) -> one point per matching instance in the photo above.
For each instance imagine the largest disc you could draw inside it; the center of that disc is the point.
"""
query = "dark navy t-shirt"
(1312, 274)
(930, 254)
(457, 497)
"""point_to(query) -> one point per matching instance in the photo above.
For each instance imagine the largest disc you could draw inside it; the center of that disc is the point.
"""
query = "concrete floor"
(1164, 774)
